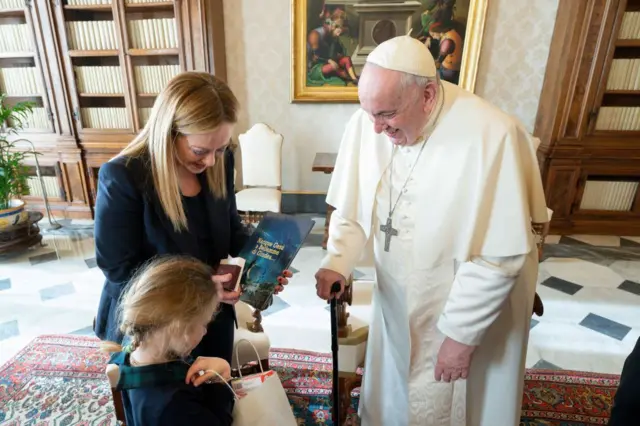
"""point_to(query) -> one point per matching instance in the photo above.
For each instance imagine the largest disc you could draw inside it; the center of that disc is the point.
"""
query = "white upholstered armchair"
(261, 152)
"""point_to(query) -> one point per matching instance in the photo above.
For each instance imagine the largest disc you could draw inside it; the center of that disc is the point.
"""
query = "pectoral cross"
(389, 231)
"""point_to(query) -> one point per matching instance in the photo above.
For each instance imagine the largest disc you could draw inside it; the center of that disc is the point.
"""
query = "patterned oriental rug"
(59, 380)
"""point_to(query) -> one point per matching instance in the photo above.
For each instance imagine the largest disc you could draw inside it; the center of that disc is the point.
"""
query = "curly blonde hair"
(168, 295)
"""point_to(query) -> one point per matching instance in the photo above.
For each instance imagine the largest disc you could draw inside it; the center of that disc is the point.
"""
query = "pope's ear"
(430, 95)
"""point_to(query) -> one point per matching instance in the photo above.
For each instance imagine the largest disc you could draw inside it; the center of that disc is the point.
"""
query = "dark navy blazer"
(131, 228)
(156, 395)
(626, 402)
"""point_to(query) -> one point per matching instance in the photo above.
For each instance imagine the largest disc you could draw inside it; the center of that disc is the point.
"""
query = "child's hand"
(208, 365)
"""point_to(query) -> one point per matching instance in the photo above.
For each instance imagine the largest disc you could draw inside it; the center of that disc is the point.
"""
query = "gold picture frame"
(308, 78)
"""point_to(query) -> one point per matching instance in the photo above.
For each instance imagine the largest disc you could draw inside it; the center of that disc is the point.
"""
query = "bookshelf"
(589, 118)
(94, 69)
(21, 76)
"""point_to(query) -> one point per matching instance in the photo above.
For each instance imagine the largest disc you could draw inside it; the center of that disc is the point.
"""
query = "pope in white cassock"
(447, 186)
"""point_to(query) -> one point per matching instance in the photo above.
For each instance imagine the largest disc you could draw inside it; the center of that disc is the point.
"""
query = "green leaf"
(13, 174)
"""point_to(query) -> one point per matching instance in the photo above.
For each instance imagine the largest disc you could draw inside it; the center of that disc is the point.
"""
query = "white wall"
(510, 74)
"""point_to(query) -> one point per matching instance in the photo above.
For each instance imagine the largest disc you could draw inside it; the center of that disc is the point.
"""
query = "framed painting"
(332, 38)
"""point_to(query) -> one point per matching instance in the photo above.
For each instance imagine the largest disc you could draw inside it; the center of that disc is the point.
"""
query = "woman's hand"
(283, 280)
(229, 297)
(204, 371)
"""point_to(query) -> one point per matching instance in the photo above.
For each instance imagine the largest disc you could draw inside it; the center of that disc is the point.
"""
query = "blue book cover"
(269, 251)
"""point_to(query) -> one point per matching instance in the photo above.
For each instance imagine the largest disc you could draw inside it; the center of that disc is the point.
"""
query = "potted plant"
(13, 174)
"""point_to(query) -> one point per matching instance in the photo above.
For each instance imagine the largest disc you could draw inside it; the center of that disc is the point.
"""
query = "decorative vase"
(14, 215)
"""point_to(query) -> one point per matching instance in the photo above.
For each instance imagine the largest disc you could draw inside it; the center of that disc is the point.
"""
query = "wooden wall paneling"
(636, 203)
(593, 53)
(52, 56)
(92, 175)
(560, 187)
(184, 33)
(41, 60)
(567, 102)
(559, 75)
(128, 79)
(94, 160)
(214, 49)
(572, 152)
(73, 176)
(68, 75)
(183, 12)
(609, 41)
(202, 34)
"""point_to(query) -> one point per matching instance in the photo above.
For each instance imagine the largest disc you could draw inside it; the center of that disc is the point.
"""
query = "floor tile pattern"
(590, 287)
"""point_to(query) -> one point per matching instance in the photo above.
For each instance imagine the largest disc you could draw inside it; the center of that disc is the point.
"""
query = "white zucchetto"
(405, 54)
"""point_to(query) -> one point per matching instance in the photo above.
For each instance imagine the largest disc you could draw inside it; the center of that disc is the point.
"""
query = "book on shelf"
(99, 79)
(50, 183)
(268, 252)
(87, 2)
(36, 119)
(624, 75)
(630, 27)
(618, 119)
(153, 33)
(153, 78)
(104, 118)
(91, 35)
(15, 38)
(19, 81)
(145, 1)
(11, 4)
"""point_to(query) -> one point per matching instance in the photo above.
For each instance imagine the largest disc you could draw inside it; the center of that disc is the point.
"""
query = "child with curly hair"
(164, 313)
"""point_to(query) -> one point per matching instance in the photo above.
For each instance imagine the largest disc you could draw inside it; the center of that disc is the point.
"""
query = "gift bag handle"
(238, 356)
(235, 395)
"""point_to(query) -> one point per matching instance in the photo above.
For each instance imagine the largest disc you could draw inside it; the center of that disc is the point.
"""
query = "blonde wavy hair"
(191, 103)
(165, 296)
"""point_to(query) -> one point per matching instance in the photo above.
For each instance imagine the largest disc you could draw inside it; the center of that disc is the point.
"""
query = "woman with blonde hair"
(171, 191)
(165, 312)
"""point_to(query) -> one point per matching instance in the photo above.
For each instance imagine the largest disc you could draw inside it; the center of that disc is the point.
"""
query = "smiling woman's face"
(198, 152)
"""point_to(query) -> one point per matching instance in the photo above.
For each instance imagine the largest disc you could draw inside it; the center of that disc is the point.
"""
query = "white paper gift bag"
(265, 405)
(265, 402)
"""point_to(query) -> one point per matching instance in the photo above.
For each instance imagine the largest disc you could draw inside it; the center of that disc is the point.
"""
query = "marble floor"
(590, 286)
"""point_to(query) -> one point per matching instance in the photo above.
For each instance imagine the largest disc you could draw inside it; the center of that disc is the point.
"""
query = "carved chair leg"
(538, 307)
(347, 384)
(116, 395)
(256, 325)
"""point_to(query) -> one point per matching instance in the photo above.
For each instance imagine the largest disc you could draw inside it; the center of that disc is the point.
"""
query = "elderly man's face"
(400, 114)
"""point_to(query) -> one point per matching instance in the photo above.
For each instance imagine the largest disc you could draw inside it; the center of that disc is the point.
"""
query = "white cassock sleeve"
(345, 246)
(480, 289)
